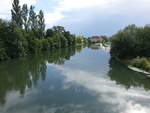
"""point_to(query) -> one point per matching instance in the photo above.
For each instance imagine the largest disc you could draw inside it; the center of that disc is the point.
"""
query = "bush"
(13, 40)
(3, 54)
(64, 42)
(56, 41)
(51, 43)
(18, 42)
(141, 63)
(79, 40)
(45, 44)
(131, 42)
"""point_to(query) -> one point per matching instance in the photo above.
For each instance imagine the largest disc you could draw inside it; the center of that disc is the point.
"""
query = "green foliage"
(50, 42)
(64, 42)
(25, 16)
(60, 37)
(69, 37)
(12, 39)
(79, 40)
(45, 45)
(16, 13)
(41, 24)
(142, 63)
(49, 33)
(3, 54)
(33, 21)
(56, 41)
(131, 42)
(18, 41)
(58, 29)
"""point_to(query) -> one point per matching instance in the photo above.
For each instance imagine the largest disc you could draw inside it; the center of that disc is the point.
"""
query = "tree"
(58, 29)
(49, 33)
(16, 13)
(25, 33)
(13, 43)
(79, 40)
(131, 42)
(41, 24)
(33, 20)
(25, 16)
(3, 54)
(68, 37)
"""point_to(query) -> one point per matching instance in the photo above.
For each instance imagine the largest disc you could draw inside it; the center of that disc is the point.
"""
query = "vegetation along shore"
(25, 34)
(132, 46)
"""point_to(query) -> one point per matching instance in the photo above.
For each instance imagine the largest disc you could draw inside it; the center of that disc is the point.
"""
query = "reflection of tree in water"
(79, 48)
(23, 73)
(61, 55)
(126, 77)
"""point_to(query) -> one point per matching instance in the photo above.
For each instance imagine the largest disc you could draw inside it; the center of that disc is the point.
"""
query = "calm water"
(72, 81)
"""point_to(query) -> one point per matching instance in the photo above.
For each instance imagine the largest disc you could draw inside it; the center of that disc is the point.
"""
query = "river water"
(72, 80)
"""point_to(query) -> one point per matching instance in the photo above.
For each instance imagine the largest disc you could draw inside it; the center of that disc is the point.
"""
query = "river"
(73, 80)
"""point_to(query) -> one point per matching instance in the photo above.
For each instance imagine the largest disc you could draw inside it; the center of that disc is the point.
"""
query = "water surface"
(72, 80)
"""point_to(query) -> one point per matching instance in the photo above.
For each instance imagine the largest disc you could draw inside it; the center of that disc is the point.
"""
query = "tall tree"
(25, 16)
(33, 20)
(16, 13)
(41, 24)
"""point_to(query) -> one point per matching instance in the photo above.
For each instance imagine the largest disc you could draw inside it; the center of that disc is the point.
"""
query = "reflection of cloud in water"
(47, 109)
(134, 100)
(14, 99)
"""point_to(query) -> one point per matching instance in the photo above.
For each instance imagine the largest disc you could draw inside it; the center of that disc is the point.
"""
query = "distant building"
(95, 39)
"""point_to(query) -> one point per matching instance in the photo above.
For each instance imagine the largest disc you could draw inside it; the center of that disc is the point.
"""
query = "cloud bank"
(6, 5)
(89, 17)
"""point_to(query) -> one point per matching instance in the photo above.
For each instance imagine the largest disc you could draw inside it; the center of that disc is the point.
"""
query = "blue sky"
(88, 17)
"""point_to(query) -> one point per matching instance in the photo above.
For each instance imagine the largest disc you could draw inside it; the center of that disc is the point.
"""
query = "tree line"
(131, 42)
(25, 33)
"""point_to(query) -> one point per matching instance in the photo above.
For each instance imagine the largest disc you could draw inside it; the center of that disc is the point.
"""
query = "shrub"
(3, 54)
(45, 44)
(131, 42)
(16, 41)
(13, 39)
(142, 63)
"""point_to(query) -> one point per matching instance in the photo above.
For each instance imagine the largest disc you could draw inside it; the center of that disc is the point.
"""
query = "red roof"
(96, 37)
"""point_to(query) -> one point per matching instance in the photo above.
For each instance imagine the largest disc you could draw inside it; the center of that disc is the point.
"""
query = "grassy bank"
(141, 63)
(132, 46)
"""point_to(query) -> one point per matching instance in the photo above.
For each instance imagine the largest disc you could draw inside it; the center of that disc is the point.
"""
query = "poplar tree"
(33, 22)
(25, 16)
(16, 13)
(41, 24)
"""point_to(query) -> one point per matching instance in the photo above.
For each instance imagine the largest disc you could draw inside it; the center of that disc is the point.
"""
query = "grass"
(141, 63)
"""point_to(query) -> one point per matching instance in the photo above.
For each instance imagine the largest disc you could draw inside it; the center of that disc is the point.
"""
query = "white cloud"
(126, 101)
(6, 5)
(69, 5)
(52, 18)
(125, 7)
(74, 12)
(79, 4)
(29, 2)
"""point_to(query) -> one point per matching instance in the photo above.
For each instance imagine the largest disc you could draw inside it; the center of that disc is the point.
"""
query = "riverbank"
(131, 45)
(141, 65)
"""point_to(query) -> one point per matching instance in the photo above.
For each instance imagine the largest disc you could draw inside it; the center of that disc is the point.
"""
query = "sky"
(88, 17)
